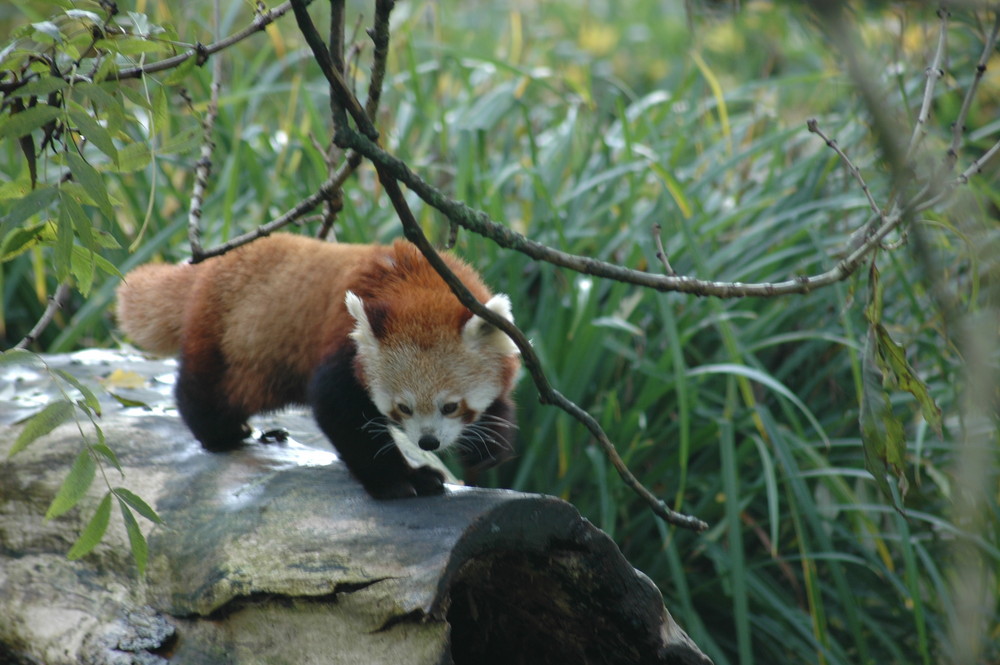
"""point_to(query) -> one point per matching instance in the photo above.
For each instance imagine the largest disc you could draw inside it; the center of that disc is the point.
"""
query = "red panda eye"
(449, 408)
(405, 410)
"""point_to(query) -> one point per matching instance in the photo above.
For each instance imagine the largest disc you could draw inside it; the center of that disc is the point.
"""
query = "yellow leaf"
(124, 379)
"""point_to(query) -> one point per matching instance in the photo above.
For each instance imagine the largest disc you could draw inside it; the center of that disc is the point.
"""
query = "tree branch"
(934, 73)
(260, 22)
(415, 234)
(958, 127)
(203, 168)
(55, 304)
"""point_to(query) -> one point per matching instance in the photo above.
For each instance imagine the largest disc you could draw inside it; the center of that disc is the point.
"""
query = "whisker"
(384, 449)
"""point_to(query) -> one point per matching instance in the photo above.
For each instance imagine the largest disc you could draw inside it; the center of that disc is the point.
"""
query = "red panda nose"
(429, 442)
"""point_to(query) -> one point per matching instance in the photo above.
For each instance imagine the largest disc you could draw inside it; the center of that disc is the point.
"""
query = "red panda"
(369, 336)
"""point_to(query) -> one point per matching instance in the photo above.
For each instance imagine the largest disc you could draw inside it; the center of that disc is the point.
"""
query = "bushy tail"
(151, 303)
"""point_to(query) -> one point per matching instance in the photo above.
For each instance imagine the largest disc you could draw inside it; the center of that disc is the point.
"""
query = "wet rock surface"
(274, 554)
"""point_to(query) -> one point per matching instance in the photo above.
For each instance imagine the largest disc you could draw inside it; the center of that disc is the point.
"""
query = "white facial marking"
(410, 385)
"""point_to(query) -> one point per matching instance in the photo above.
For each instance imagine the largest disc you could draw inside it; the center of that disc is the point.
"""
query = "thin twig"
(934, 73)
(56, 303)
(260, 22)
(480, 223)
(325, 191)
(379, 34)
(958, 127)
(977, 166)
(203, 167)
(661, 253)
(854, 170)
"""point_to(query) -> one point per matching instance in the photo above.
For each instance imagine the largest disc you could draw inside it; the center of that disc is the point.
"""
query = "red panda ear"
(364, 335)
(480, 335)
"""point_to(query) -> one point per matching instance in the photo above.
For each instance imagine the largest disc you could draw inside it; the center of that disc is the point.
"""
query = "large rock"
(273, 554)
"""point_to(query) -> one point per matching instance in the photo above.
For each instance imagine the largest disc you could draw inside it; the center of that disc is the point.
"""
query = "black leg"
(358, 431)
(203, 405)
(489, 441)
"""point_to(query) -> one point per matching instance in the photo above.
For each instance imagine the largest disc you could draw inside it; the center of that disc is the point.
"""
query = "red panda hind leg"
(350, 420)
(218, 425)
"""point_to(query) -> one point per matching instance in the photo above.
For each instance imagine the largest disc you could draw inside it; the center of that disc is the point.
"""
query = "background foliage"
(582, 125)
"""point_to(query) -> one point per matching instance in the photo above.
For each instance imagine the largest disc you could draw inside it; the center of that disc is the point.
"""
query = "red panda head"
(431, 379)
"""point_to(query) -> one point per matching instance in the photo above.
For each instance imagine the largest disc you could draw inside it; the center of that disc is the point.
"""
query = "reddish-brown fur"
(266, 325)
(275, 308)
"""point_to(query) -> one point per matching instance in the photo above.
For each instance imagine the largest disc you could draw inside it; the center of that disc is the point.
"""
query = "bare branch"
(325, 191)
(934, 73)
(56, 303)
(958, 127)
(480, 223)
(855, 171)
(661, 253)
(380, 38)
(203, 168)
(260, 22)
(977, 166)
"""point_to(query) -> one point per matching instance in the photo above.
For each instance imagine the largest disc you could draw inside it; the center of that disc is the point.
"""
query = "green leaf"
(93, 532)
(110, 103)
(104, 451)
(161, 110)
(82, 254)
(893, 361)
(137, 96)
(92, 181)
(140, 551)
(131, 158)
(63, 255)
(75, 486)
(89, 398)
(104, 239)
(40, 87)
(882, 438)
(187, 139)
(31, 204)
(881, 431)
(140, 506)
(28, 121)
(130, 45)
(125, 401)
(180, 73)
(19, 357)
(40, 424)
(94, 133)
(20, 240)
(82, 266)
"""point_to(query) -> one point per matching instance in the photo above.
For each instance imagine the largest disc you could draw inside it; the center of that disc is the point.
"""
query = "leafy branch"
(916, 189)
(93, 458)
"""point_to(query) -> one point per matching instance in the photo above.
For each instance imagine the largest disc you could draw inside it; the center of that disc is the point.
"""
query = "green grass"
(582, 127)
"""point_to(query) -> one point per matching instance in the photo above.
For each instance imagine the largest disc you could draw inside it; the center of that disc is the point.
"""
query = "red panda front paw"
(422, 481)
(427, 481)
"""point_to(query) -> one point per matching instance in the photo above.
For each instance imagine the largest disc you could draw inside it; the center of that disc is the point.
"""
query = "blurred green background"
(582, 125)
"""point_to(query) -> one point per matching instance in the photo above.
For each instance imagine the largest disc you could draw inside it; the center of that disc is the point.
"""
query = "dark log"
(274, 554)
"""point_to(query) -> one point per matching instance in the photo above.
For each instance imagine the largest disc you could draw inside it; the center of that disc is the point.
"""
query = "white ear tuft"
(481, 335)
(362, 335)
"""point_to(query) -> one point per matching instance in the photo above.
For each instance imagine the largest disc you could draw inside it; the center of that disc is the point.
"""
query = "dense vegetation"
(583, 125)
